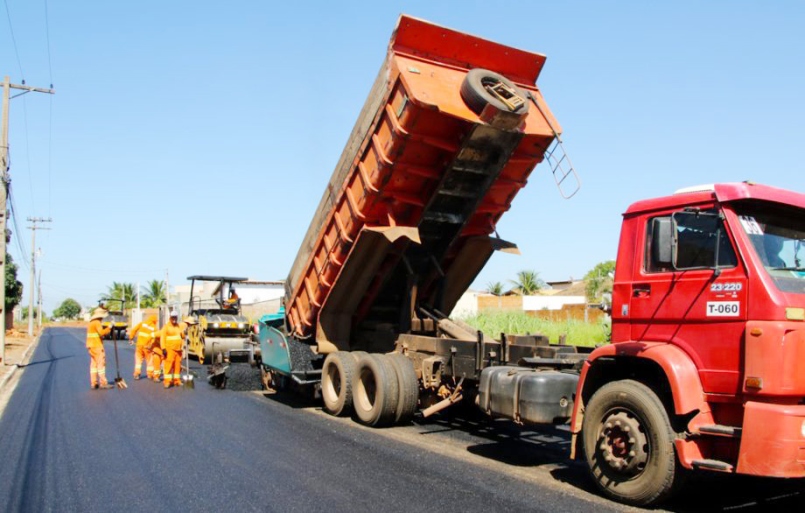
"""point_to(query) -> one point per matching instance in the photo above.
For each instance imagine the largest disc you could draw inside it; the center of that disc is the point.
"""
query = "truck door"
(692, 302)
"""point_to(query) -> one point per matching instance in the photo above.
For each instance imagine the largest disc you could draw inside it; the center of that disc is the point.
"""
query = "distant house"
(564, 300)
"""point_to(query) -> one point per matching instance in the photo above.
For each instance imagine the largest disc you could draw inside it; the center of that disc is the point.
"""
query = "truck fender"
(679, 369)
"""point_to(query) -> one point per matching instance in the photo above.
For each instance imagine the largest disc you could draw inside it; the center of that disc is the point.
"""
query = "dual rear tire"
(382, 390)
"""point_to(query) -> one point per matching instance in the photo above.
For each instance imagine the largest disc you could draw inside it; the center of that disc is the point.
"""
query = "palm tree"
(527, 283)
(154, 294)
(495, 288)
(125, 291)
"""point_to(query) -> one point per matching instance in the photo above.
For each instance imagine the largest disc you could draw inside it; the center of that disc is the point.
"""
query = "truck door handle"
(641, 290)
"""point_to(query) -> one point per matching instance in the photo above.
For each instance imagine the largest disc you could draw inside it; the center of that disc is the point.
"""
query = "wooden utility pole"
(4, 178)
(33, 229)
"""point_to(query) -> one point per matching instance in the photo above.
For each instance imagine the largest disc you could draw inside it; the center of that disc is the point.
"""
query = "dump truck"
(708, 304)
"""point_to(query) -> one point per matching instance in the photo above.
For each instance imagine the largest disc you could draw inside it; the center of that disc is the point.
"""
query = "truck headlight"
(241, 326)
(215, 325)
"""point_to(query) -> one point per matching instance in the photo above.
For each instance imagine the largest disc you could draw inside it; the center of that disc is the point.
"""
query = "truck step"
(720, 466)
(720, 430)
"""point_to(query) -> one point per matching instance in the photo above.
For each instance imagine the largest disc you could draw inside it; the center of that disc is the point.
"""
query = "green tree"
(69, 309)
(599, 280)
(154, 294)
(13, 285)
(125, 291)
(495, 288)
(25, 312)
(527, 283)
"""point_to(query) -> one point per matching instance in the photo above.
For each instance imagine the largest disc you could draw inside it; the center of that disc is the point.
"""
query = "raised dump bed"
(450, 132)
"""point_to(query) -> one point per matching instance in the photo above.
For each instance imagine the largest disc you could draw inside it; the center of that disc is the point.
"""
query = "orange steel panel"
(430, 41)
(416, 132)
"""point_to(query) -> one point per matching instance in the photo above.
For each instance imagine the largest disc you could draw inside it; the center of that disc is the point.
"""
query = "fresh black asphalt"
(64, 447)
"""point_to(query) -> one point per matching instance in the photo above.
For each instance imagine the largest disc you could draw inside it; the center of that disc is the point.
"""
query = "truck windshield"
(777, 234)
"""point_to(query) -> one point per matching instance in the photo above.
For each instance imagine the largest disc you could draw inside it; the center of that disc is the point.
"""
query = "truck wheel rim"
(623, 443)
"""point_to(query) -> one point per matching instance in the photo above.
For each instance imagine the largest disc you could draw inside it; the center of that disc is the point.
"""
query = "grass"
(579, 333)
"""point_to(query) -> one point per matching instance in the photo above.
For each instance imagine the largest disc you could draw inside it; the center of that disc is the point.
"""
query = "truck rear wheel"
(628, 444)
(336, 382)
(375, 390)
(408, 387)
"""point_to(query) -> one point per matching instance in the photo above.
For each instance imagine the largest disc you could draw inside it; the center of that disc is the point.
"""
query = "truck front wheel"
(628, 444)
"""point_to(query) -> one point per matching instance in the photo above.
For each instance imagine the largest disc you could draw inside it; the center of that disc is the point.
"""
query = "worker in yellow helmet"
(144, 334)
(97, 354)
(172, 340)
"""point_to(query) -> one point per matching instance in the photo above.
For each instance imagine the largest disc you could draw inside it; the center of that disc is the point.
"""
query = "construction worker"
(144, 334)
(156, 356)
(172, 336)
(232, 302)
(97, 354)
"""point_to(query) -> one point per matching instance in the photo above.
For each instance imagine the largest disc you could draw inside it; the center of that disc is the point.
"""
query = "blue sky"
(197, 137)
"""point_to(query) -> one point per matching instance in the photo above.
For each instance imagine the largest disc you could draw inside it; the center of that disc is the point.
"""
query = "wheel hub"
(623, 444)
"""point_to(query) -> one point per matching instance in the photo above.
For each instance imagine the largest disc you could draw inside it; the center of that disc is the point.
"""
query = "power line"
(28, 152)
(47, 35)
(16, 232)
(14, 41)
(50, 114)
(95, 269)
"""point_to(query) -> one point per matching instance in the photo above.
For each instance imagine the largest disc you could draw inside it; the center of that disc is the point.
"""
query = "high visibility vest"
(94, 332)
(145, 335)
(172, 337)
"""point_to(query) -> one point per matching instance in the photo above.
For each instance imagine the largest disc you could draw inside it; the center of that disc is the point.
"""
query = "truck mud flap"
(370, 250)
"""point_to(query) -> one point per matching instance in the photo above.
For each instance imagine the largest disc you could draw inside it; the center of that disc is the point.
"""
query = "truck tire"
(336, 383)
(629, 444)
(477, 97)
(375, 391)
(408, 386)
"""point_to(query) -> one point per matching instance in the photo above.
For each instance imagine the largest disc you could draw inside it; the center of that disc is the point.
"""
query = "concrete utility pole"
(39, 299)
(4, 166)
(33, 229)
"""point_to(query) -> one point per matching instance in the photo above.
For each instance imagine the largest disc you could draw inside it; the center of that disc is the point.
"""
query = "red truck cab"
(708, 335)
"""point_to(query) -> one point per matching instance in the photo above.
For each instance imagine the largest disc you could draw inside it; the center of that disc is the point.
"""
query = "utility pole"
(4, 167)
(33, 229)
(39, 302)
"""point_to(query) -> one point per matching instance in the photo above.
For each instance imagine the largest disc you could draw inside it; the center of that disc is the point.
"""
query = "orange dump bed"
(431, 166)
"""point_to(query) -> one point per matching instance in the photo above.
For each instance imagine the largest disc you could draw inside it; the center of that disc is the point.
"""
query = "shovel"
(119, 382)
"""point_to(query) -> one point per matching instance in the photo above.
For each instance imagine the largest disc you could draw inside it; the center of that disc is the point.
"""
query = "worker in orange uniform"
(233, 300)
(144, 334)
(172, 335)
(156, 356)
(97, 354)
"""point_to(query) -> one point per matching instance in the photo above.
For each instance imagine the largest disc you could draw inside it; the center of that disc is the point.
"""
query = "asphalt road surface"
(64, 447)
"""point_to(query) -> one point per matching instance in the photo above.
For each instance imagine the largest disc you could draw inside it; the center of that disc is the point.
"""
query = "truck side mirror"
(662, 240)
